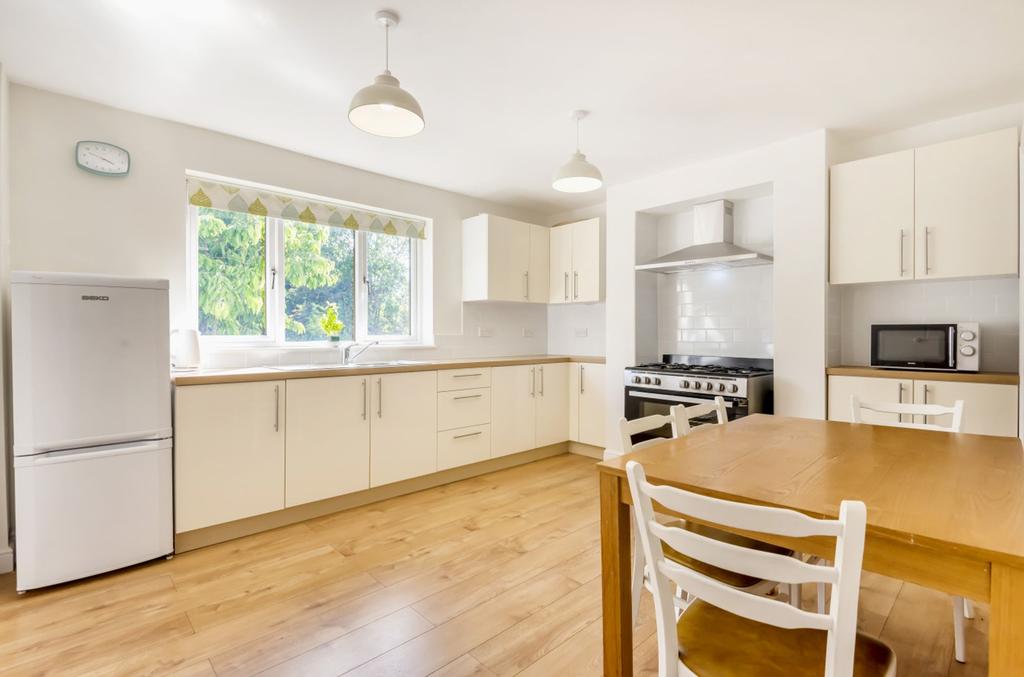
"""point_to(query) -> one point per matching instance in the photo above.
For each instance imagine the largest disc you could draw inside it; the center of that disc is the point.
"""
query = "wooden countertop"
(251, 374)
(996, 377)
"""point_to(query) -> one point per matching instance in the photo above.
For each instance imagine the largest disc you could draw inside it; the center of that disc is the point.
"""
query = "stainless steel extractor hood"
(712, 244)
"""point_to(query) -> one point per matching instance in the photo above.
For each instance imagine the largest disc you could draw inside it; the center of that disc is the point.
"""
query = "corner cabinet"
(529, 407)
(942, 211)
(576, 262)
(587, 404)
(228, 452)
(504, 260)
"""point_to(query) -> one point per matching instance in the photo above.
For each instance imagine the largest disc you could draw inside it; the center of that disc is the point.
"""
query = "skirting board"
(588, 450)
(198, 538)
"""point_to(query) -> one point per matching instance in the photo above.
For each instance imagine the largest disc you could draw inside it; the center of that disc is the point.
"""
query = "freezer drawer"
(86, 511)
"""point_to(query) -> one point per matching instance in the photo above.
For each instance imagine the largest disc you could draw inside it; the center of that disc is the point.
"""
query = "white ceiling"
(669, 82)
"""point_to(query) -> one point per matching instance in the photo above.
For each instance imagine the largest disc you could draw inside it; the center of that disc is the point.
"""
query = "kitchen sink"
(353, 365)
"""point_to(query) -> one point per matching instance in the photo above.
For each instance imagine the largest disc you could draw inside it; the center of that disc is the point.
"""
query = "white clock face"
(102, 158)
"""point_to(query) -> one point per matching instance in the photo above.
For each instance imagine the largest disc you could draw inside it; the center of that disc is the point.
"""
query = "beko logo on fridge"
(90, 297)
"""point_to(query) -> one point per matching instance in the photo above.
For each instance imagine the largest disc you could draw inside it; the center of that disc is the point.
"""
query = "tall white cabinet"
(942, 211)
(504, 260)
(576, 262)
(228, 452)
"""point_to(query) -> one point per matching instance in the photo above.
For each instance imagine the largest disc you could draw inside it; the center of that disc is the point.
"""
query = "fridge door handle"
(90, 453)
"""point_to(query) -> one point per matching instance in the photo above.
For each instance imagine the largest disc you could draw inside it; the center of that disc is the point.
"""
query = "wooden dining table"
(945, 510)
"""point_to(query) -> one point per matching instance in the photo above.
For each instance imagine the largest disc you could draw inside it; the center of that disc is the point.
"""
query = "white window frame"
(275, 292)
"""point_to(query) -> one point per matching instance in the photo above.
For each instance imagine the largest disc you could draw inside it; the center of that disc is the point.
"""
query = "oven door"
(641, 402)
(914, 346)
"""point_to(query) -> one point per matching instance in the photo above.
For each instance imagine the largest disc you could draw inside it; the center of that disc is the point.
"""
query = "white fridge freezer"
(92, 424)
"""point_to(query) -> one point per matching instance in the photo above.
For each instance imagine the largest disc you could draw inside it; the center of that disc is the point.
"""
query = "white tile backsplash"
(992, 302)
(716, 312)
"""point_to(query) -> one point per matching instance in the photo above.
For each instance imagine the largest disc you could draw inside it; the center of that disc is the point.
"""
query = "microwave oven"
(932, 347)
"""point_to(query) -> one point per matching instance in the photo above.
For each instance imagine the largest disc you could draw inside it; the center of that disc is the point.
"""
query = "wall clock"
(105, 159)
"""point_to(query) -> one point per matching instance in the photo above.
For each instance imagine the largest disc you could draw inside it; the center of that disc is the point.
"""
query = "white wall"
(66, 219)
(992, 302)
(797, 169)
(6, 559)
(577, 328)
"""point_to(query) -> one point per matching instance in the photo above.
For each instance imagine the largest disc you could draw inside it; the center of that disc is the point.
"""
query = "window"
(267, 280)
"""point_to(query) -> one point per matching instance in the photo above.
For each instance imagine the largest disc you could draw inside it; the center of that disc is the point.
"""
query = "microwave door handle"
(952, 347)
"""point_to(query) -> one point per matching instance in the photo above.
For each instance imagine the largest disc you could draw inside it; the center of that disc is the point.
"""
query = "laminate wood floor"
(495, 575)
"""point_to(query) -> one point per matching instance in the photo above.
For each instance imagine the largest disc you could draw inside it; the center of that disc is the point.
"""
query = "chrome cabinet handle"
(581, 379)
(542, 381)
(565, 287)
(533, 382)
(526, 285)
(900, 400)
(467, 397)
(277, 408)
(575, 284)
(380, 398)
(927, 258)
(925, 402)
(459, 437)
(364, 399)
(466, 375)
(902, 268)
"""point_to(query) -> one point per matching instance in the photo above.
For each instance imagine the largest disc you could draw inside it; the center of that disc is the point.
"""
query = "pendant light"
(384, 108)
(577, 175)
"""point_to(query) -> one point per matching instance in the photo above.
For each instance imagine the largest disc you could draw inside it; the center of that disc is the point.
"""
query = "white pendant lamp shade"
(577, 175)
(384, 108)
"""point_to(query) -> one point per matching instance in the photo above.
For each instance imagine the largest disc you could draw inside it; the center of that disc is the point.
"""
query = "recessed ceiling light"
(384, 108)
(577, 175)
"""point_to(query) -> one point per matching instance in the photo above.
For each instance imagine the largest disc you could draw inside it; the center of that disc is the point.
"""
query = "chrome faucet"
(346, 354)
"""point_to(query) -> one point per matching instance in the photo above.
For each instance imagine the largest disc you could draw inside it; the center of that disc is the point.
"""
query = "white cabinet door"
(560, 279)
(552, 403)
(574, 401)
(403, 426)
(871, 222)
(327, 438)
(508, 259)
(538, 274)
(586, 261)
(591, 390)
(463, 446)
(867, 389)
(228, 452)
(513, 422)
(967, 212)
(989, 409)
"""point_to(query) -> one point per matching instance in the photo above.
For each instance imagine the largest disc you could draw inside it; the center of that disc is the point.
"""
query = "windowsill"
(231, 347)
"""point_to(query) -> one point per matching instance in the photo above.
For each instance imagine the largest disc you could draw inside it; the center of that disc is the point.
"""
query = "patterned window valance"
(229, 197)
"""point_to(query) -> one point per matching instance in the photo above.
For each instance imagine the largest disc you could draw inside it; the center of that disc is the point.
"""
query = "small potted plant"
(331, 325)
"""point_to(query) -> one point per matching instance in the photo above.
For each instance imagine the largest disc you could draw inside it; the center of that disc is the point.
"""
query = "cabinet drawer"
(461, 408)
(460, 379)
(463, 446)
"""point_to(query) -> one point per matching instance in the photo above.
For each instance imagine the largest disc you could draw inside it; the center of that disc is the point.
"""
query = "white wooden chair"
(727, 631)
(962, 607)
(678, 419)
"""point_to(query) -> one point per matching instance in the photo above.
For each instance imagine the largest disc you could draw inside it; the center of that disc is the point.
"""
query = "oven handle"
(675, 398)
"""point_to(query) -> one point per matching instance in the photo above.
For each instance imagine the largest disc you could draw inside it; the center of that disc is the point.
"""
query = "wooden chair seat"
(725, 576)
(716, 643)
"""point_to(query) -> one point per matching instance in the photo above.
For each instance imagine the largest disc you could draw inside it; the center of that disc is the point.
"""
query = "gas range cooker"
(703, 376)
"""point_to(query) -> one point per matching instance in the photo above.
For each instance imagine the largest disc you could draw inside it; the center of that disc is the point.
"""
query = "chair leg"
(958, 630)
(968, 608)
(821, 598)
(795, 591)
(638, 575)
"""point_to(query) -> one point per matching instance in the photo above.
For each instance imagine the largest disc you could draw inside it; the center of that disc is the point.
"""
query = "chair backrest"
(840, 622)
(857, 408)
(684, 414)
(678, 417)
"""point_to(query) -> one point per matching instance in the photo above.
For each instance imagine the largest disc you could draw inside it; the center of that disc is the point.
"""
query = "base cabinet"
(586, 404)
(327, 438)
(513, 413)
(989, 409)
(403, 426)
(552, 404)
(228, 452)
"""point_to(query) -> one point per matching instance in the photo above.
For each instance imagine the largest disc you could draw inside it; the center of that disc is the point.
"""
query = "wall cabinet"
(504, 260)
(403, 426)
(228, 452)
(576, 262)
(587, 404)
(327, 438)
(989, 409)
(941, 211)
